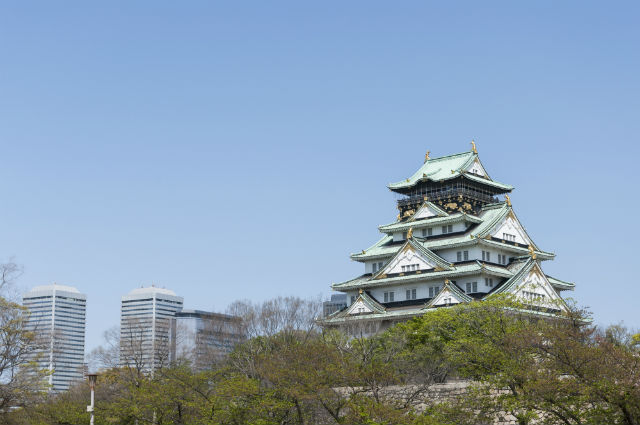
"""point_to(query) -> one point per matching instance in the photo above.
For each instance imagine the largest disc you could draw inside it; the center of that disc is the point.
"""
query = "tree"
(20, 379)
(557, 370)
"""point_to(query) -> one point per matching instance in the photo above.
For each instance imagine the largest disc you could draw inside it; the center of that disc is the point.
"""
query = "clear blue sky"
(241, 150)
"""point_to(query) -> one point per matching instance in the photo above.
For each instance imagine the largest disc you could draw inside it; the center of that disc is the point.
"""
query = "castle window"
(533, 297)
(486, 256)
(388, 297)
(433, 291)
(411, 294)
(447, 229)
(404, 235)
(459, 255)
(353, 299)
(466, 255)
(509, 237)
(375, 267)
(488, 282)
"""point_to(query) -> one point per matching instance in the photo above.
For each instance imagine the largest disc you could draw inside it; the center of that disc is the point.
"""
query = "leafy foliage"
(524, 367)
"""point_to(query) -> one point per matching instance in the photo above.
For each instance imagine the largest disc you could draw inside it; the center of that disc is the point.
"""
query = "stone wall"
(421, 397)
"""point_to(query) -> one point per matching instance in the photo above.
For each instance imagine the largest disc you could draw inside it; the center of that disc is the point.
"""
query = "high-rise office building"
(57, 318)
(204, 337)
(336, 303)
(147, 330)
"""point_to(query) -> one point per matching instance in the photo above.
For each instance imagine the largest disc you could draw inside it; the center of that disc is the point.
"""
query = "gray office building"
(204, 337)
(337, 303)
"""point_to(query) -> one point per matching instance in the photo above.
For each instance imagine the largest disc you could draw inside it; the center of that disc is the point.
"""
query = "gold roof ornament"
(508, 200)
(360, 291)
(532, 253)
(363, 251)
(426, 156)
(473, 147)
(410, 233)
(447, 281)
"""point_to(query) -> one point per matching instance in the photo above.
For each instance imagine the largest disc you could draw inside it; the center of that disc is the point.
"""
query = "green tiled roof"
(435, 258)
(446, 168)
(395, 313)
(480, 179)
(561, 284)
(527, 265)
(543, 255)
(366, 281)
(490, 216)
(489, 222)
(401, 226)
(371, 303)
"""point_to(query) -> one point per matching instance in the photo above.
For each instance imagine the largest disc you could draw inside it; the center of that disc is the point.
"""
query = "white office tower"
(147, 329)
(57, 317)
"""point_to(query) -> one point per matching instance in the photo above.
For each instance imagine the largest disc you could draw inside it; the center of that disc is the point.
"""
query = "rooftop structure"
(147, 329)
(455, 240)
(57, 318)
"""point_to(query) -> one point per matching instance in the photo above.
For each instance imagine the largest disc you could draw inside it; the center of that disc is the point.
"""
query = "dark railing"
(447, 193)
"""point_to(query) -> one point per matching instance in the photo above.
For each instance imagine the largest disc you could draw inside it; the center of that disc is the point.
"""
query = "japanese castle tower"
(454, 241)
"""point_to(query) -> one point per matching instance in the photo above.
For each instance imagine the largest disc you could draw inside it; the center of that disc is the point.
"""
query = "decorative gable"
(511, 230)
(408, 259)
(535, 289)
(359, 307)
(424, 213)
(448, 296)
(364, 304)
(477, 168)
(428, 210)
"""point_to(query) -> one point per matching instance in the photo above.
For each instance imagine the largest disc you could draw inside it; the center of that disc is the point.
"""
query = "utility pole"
(93, 377)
